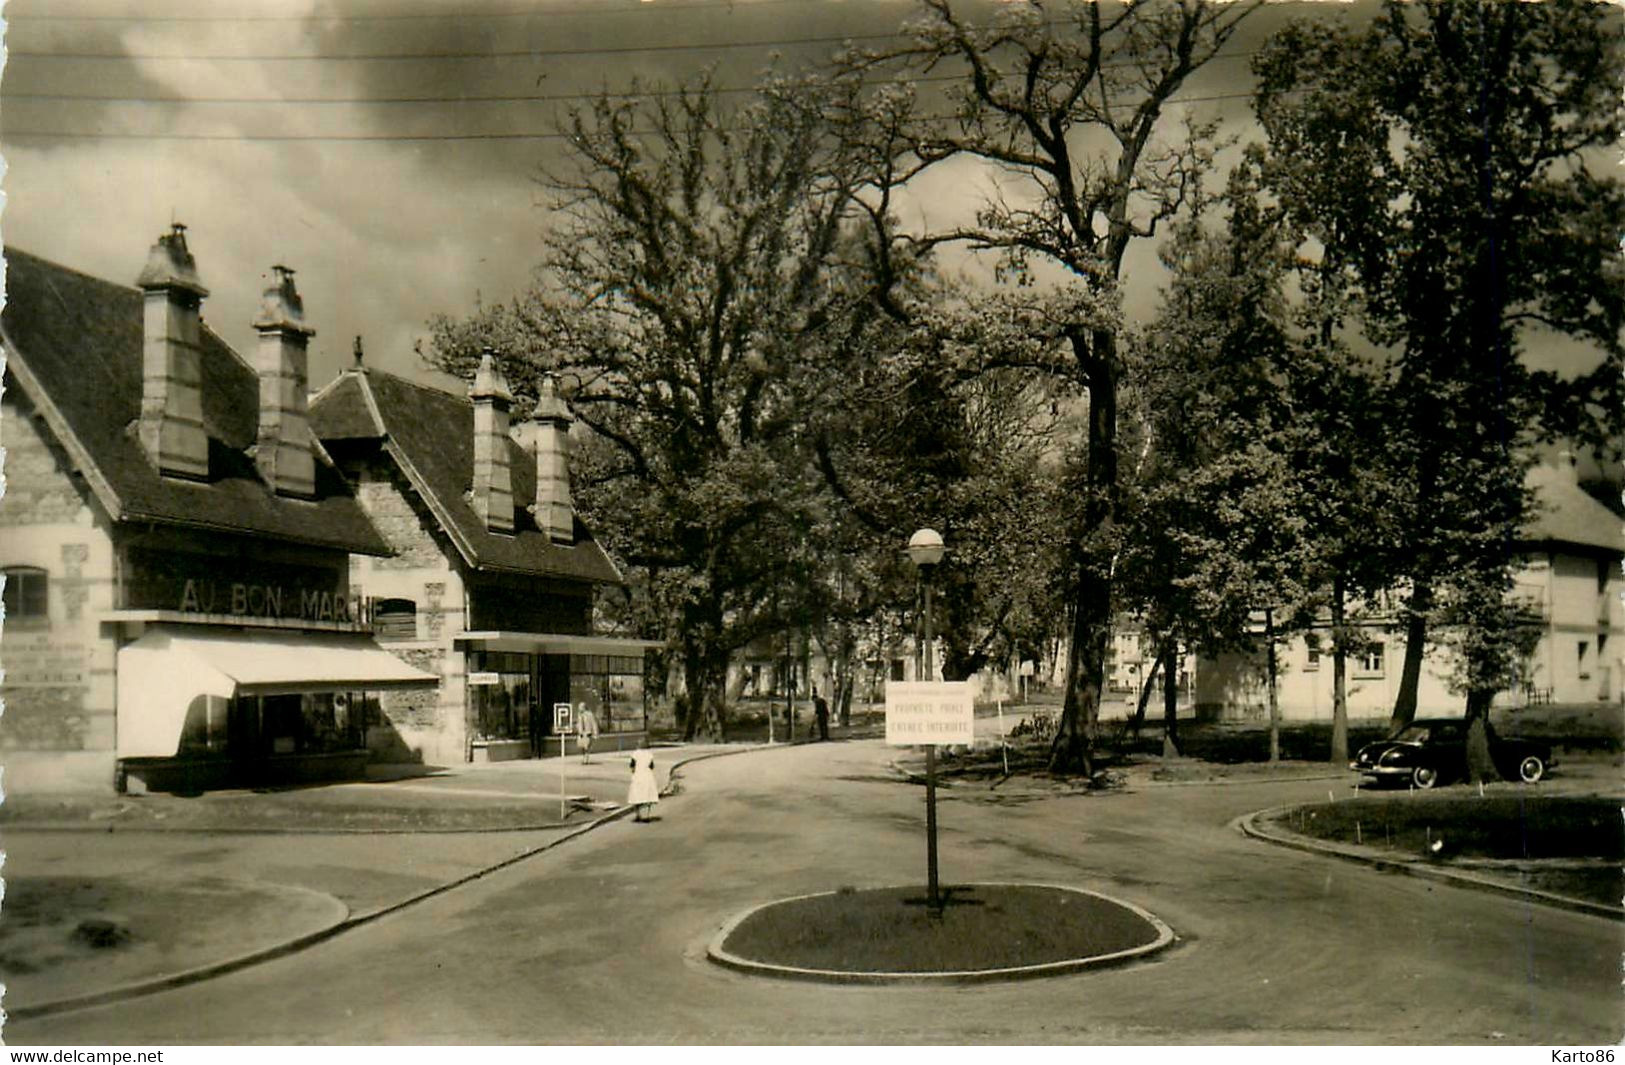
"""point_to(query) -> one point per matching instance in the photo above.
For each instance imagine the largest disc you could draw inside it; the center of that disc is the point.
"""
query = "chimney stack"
(554, 511)
(284, 454)
(493, 480)
(171, 427)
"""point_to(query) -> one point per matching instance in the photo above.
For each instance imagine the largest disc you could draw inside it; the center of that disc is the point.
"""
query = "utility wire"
(642, 8)
(367, 137)
(459, 99)
(24, 53)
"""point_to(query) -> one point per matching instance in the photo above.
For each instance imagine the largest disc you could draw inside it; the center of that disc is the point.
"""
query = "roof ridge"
(12, 249)
(421, 386)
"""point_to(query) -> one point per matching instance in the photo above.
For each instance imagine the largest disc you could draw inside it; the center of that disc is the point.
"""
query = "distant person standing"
(537, 740)
(644, 791)
(821, 709)
(586, 731)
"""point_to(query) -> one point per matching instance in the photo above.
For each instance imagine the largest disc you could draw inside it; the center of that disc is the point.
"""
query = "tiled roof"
(430, 434)
(76, 340)
(1567, 514)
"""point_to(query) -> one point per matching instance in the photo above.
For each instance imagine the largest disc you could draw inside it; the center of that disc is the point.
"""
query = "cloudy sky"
(385, 149)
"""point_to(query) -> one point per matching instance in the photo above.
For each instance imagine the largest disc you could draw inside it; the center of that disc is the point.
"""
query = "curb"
(260, 830)
(1250, 825)
(919, 778)
(719, 955)
(200, 973)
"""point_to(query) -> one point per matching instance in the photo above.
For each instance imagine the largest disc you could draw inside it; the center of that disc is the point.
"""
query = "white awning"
(161, 673)
(547, 643)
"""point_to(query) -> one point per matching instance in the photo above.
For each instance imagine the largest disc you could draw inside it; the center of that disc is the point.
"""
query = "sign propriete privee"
(929, 712)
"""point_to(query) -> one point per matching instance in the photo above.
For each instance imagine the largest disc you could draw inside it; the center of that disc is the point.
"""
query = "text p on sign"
(920, 712)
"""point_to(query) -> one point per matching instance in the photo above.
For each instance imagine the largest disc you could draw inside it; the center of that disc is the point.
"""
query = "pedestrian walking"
(644, 791)
(586, 731)
(821, 709)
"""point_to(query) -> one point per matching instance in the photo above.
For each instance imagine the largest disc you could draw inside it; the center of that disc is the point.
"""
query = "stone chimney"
(555, 514)
(493, 480)
(171, 361)
(283, 454)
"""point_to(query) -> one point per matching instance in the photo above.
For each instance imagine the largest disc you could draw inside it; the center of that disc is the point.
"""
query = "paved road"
(602, 941)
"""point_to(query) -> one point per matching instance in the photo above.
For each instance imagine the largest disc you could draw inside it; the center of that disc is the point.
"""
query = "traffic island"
(983, 932)
(1563, 850)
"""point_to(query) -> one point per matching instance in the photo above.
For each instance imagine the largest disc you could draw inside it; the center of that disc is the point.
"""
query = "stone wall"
(58, 690)
(422, 725)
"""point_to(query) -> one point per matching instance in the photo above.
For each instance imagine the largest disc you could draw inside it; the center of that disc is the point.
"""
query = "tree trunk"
(1340, 699)
(1421, 575)
(1275, 700)
(1170, 699)
(1410, 676)
(1073, 747)
(700, 707)
(1480, 766)
(1145, 692)
(1096, 356)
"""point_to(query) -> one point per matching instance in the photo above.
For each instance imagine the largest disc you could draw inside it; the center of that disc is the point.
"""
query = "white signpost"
(563, 727)
(929, 712)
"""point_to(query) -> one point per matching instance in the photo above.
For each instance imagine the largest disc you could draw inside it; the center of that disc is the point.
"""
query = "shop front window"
(205, 728)
(311, 723)
(502, 700)
(612, 685)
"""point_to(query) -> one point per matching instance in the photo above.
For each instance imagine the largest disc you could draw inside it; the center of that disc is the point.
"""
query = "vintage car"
(1435, 749)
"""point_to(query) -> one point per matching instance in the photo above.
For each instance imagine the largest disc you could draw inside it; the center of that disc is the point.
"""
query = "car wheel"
(1531, 769)
(1424, 776)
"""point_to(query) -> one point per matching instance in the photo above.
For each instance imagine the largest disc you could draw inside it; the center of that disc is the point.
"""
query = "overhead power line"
(518, 53)
(639, 8)
(409, 137)
(463, 98)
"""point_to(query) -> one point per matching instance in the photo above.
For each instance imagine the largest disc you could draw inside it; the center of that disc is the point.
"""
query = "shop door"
(554, 686)
(244, 739)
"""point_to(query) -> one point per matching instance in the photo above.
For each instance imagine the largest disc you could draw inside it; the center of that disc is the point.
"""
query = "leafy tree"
(1445, 159)
(693, 260)
(1069, 99)
(943, 431)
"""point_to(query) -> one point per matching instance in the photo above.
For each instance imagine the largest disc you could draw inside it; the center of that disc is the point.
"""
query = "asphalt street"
(602, 940)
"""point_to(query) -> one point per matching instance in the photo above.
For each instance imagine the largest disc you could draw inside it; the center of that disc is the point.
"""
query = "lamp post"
(925, 550)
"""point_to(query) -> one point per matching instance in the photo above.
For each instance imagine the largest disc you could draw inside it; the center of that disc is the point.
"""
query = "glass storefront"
(252, 725)
(502, 711)
(613, 686)
(512, 683)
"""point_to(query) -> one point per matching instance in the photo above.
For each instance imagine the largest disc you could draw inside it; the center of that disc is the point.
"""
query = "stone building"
(1570, 577)
(490, 575)
(176, 546)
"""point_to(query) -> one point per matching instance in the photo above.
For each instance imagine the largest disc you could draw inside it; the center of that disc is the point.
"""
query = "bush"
(1040, 727)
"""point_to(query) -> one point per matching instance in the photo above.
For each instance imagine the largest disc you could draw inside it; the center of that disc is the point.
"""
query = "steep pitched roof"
(1567, 514)
(430, 435)
(74, 346)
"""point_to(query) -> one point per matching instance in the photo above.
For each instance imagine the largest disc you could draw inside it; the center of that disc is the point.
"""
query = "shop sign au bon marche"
(229, 587)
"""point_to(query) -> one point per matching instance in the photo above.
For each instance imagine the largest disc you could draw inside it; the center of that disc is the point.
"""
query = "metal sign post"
(562, 725)
(928, 713)
(1004, 746)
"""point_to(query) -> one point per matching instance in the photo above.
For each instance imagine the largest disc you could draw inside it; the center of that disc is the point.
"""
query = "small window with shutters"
(395, 619)
(27, 600)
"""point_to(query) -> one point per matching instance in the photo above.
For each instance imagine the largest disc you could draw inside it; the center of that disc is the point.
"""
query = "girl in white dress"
(645, 791)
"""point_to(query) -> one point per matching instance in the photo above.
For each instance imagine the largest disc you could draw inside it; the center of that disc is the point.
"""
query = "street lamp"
(925, 550)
